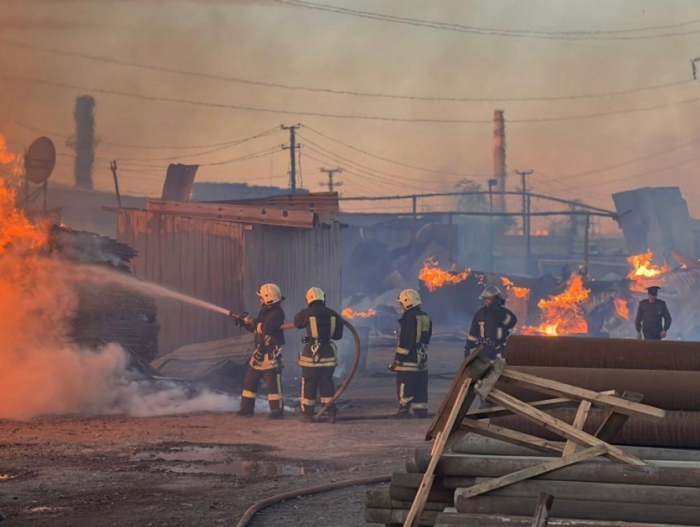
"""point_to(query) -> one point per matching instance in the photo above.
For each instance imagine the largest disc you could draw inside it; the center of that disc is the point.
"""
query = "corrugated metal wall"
(225, 263)
(201, 258)
(294, 259)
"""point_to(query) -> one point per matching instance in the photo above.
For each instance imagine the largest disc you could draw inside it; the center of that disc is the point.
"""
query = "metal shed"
(222, 253)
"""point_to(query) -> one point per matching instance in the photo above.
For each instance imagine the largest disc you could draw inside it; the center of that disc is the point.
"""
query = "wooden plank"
(544, 508)
(489, 382)
(498, 411)
(512, 436)
(531, 472)
(579, 420)
(614, 421)
(558, 389)
(448, 401)
(560, 427)
(438, 449)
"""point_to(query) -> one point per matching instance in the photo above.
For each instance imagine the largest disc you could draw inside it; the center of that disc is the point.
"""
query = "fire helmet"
(491, 291)
(314, 294)
(409, 298)
(270, 294)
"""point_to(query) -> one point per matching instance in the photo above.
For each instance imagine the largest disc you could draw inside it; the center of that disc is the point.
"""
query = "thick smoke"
(43, 371)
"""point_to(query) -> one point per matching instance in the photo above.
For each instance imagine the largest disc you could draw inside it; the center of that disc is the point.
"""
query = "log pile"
(465, 479)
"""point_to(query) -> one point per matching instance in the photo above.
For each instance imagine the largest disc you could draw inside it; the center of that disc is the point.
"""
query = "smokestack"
(499, 158)
(84, 141)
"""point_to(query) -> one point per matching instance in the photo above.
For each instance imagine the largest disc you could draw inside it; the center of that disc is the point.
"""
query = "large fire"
(9, 161)
(15, 228)
(434, 278)
(622, 308)
(643, 268)
(562, 314)
(350, 314)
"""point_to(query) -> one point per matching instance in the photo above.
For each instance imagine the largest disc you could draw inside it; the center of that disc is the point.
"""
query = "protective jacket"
(491, 326)
(649, 319)
(323, 326)
(269, 337)
(414, 337)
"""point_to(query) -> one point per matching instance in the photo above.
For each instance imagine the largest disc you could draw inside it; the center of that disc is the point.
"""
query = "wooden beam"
(559, 389)
(560, 427)
(438, 448)
(530, 472)
(544, 508)
(498, 411)
(512, 436)
(579, 420)
(614, 421)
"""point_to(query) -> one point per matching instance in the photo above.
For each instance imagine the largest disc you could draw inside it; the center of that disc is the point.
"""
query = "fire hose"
(309, 491)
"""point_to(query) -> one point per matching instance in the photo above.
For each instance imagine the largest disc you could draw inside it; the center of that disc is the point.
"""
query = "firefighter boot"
(403, 412)
(247, 407)
(421, 413)
(332, 415)
(276, 414)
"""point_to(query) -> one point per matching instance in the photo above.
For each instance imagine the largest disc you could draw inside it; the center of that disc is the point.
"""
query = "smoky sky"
(265, 41)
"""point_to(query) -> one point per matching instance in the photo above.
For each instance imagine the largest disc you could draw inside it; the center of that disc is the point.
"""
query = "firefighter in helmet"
(411, 359)
(653, 319)
(319, 357)
(266, 361)
(491, 324)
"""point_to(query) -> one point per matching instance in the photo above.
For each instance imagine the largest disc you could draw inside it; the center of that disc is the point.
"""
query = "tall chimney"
(499, 158)
(84, 141)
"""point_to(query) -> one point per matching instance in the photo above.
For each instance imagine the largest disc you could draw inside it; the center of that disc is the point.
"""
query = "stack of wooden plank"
(590, 481)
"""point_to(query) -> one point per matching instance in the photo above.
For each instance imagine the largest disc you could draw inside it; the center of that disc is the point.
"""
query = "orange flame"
(349, 313)
(540, 232)
(643, 268)
(434, 278)
(519, 292)
(8, 158)
(562, 314)
(622, 308)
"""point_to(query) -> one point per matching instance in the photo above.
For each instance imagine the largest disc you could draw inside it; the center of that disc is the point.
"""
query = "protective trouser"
(273, 383)
(412, 389)
(651, 334)
(314, 380)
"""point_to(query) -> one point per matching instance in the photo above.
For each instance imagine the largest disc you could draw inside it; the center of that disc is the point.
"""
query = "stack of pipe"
(596, 493)
(667, 373)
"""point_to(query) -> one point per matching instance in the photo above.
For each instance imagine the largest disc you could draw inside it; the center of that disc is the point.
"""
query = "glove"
(639, 335)
(394, 365)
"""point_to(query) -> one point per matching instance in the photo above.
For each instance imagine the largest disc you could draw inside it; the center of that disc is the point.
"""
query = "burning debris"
(433, 277)
(563, 313)
(350, 314)
(622, 308)
(643, 270)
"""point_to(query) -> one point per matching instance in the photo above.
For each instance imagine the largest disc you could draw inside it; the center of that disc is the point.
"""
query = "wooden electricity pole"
(293, 147)
(331, 173)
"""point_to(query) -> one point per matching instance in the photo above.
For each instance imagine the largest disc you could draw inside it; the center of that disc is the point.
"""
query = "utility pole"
(293, 147)
(331, 173)
(492, 183)
(526, 217)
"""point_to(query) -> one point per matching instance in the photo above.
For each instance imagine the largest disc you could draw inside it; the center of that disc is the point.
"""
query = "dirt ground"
(208, 468)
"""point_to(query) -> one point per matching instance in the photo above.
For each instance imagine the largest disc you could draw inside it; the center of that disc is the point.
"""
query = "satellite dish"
(40, 160)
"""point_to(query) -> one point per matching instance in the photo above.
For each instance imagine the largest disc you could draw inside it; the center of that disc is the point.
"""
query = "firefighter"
(320, 355)
(266, 361)
(650, 314)
(411, 359)
(491, 324)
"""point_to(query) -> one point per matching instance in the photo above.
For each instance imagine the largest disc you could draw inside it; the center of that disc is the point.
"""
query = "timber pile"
(470, 480)
(648, 367)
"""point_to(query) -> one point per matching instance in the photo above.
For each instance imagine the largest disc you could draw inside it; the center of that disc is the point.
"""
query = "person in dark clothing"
(411, 358)
(266, 361)
(653, 318)
(491, 325)
(319, 357)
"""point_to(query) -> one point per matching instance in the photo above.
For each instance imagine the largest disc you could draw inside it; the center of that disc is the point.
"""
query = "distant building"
(235, 191)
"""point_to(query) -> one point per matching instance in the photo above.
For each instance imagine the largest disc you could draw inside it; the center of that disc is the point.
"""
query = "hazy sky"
(270, 42)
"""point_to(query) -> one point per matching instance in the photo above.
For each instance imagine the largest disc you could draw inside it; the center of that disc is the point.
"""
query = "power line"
(445, 26)
(341, 116)
(240, 80)
(429, 170)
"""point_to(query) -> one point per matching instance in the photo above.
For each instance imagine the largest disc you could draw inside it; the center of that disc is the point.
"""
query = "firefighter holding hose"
(491, 324)
(319, 357)
(653, 318)
(266, 361)
(411, 358)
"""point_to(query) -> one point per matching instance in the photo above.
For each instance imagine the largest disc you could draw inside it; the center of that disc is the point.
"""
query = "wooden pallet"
(481, 377)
